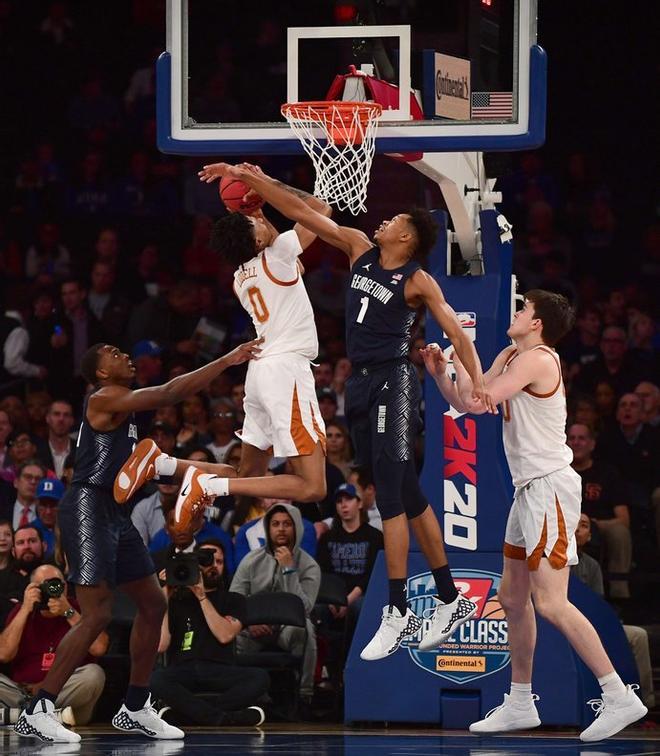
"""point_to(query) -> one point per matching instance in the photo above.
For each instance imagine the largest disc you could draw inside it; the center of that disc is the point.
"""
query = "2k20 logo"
(478, 648)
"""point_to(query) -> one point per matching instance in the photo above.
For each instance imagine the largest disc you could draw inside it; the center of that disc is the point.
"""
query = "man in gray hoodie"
(281, 565)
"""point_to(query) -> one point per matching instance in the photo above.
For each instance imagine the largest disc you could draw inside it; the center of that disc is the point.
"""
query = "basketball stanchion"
(339, 139)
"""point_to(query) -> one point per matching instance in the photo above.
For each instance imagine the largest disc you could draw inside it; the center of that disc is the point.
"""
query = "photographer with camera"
(198, 633)
(29, 644)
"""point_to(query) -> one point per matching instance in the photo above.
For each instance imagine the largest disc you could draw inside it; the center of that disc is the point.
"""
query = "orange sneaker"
(191, 500)
(136, 471)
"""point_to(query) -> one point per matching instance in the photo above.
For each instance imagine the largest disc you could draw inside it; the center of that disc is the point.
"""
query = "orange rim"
(366, 110)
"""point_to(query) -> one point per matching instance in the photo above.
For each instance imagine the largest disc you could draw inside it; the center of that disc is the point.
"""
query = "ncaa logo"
(480, 647)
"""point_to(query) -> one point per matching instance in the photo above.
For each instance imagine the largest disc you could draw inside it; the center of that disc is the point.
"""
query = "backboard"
(477, 74)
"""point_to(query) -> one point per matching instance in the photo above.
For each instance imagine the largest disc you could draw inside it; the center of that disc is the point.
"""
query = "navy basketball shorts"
(382, 411)
(99, 540)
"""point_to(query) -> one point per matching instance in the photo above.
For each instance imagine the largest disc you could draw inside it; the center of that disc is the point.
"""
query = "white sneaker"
(508, 717)
(43, 724)
(613, 713)
(392, 631)
(146, 721)
(445, 620)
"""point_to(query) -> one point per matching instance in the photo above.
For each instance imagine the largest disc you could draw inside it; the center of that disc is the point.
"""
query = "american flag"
(492, 105)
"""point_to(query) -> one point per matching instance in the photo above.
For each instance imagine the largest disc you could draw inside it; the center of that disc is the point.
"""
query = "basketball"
(232, 191)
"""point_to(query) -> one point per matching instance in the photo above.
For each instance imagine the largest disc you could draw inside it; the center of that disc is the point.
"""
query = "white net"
(339, 138)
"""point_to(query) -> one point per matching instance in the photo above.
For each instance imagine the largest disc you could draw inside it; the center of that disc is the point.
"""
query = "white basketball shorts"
(280, 406)
(543, 519)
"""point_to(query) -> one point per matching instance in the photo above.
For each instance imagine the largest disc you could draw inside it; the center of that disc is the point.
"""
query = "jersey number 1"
(258, 305)
(363, 310)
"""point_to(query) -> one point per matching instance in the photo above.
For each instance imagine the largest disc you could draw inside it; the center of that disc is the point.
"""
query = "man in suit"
(57, 447)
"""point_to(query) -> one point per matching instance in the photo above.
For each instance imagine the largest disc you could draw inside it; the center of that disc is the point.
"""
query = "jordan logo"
(367, 266)
(385, 386)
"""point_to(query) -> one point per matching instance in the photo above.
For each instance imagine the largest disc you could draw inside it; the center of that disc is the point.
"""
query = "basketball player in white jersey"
(539, 544)
(282, 416)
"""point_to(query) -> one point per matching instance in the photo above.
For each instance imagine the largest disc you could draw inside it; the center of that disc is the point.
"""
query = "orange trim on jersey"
(272, 277)
(554, 390)
(558, 556)
(319, 433)
(514, 552)
(534, 559)
(301, 437)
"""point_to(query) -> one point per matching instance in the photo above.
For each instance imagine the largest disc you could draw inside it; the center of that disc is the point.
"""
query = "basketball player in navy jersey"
(386, 289)
(102, 547)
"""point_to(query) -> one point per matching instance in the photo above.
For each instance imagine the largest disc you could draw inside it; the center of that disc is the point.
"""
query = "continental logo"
(460, 663)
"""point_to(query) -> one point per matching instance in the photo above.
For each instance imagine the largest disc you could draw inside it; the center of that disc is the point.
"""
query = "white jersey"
(271, 290)
(535, 430)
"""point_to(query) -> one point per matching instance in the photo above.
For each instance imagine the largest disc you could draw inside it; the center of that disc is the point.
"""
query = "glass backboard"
(476, 74)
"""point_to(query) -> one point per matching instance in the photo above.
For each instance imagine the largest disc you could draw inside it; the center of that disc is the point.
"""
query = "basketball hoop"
(339, 138)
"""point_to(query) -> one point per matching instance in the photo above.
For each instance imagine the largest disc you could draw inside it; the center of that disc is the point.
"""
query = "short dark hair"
(32, 463)
(90, 362)
(29, 526)
(554, 311)
(233, 238)
(7, 522)
(364, 475)
(426, 231)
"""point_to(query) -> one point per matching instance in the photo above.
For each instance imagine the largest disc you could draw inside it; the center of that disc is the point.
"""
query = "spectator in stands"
(248, 524)
(584, 411)
(169, 320)
(21, 447)
(221, 428)
(28, 554)
(238, 397)
(642, 343)
(172, 416)
(327, 404)
(588, 571)
(349, 549)
(15, 408)
(15, 342)
(612, 365)
(109, 307)
(323, 374)
(197, 635)
(605, 397)
(340, 375)
(282, 565)
(648, 392)
(147, 514)
(194, 431)
(582, 347)
(146, 355)
(58, 445)
(37, 402)
(605, 501)
(363, 481)
(29, 642)
(164, 435)
(633, 448)
(338, 447)
(24, 508)
(6, 544)
(49, 493)
(47, 255)
(42, 326)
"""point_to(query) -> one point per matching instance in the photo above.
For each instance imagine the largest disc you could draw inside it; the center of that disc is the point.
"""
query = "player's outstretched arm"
(351, 241)
(435, 361)
(425, 289)
(119, 399)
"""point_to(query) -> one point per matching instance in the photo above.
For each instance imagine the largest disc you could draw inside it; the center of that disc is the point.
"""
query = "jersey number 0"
(258, 305)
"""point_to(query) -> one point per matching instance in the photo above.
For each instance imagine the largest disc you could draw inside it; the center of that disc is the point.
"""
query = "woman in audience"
(339, 450)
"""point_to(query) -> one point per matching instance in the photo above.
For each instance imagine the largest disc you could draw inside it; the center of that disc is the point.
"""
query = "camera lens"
(181, 572)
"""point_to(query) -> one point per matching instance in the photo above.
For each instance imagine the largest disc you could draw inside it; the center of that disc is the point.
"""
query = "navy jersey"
(100, 454)
(378, 320)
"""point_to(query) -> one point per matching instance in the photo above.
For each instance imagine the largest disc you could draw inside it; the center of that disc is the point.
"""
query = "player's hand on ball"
(435, 360)
(248, 351)
(214, 171)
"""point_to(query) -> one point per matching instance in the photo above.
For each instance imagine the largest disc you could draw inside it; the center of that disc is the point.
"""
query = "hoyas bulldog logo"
(479, 647)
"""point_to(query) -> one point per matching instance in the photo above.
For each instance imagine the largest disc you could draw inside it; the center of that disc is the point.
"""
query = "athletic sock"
(444, 584)
(212, 484)
(612, 684)
(521, 693)
(39, 696)
(165, 465)
(136, 697)
(398, 594)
